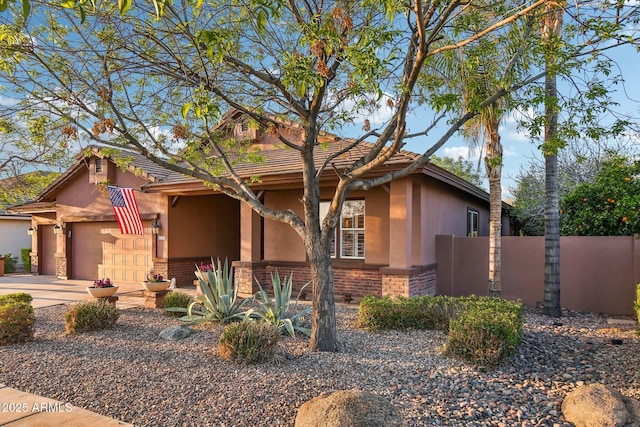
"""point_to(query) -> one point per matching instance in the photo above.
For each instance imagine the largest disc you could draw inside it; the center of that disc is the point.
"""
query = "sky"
(518, 148)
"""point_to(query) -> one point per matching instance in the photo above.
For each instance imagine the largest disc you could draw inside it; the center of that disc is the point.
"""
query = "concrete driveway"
(49, 290)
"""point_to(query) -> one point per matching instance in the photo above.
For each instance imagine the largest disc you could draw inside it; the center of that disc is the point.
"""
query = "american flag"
(126, 210)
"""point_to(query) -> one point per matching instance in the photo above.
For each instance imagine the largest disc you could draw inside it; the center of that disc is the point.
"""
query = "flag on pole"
(126, 210)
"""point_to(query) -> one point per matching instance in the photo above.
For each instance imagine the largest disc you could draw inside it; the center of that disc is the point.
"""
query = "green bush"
(249, 342)
(90, 316)
(482, 330)
(17, 318)
(10, 263)
(487, 333)
(26, 259)
(176, 300)
(16, 297)
(424, 312)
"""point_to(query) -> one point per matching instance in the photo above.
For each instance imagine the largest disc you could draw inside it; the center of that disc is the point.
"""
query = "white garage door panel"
(122, 258)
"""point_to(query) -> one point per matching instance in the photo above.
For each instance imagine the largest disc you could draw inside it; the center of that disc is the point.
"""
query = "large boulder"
(349, 408)
(597, 405)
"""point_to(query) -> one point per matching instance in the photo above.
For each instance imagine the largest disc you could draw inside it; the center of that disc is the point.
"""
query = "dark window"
(472, 223)
(98, 165)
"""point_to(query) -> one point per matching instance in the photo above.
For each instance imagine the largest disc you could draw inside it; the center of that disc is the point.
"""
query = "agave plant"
(280, 311)
(219, 300)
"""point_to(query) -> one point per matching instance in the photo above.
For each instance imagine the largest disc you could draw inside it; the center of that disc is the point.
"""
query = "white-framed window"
(351, 229)
(472, 222)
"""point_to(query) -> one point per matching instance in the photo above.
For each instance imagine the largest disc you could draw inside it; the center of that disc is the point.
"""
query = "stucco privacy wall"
(598, 274)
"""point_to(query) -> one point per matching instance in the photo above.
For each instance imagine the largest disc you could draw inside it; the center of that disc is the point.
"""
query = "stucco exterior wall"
(204, 226)
(281, 242)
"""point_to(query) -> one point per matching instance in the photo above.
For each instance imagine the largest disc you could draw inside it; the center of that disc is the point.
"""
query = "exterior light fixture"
(57, 229)
(155, 227)
(31, 231)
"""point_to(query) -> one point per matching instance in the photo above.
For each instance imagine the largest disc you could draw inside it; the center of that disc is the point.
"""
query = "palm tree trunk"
(493, 164)
(552, 27)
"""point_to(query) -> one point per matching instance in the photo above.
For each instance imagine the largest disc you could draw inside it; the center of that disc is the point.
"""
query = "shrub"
(90, 316)
(26, 259)
(10, 263)
(17, 318)
(16, 297)
(249, 342)
(486, 333)
(280, 311)
(177, 300)
(425, 312)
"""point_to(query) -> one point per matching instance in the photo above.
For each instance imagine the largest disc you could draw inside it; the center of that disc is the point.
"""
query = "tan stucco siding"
(376, 226)
(205, 226)
(447, 214)
(281, 242)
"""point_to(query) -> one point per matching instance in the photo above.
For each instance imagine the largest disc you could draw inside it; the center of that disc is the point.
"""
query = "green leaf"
(262, 20)
(3, 5)
(26, 8)
(124, 6)
(69, 4)
(185, 109)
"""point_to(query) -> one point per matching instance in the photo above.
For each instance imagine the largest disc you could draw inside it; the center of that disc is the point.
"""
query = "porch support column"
(250, 251)
(396, 278)
(61, 255)
(400, 221)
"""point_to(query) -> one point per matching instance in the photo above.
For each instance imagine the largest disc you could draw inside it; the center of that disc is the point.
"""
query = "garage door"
(99, 250)
(47, 250)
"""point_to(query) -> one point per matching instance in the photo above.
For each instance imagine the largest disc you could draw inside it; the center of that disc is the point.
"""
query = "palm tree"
(551, 29)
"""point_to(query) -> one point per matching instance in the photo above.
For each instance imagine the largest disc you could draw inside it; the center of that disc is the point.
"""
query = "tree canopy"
(158, 77)
(607, 206)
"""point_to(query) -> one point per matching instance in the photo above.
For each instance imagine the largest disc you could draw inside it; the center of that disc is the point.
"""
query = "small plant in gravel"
(249, 342)
(90, 316)
(219, 301)
(17, 318)
(176, 300)
(281, 311)
(486, 334)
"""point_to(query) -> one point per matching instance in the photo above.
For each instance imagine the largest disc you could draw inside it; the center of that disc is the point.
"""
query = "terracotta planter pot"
(101, 292)
(156, 286)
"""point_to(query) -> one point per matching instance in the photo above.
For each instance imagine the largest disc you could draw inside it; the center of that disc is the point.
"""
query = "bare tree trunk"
(493, 164)
(551, 28)
(323, 319)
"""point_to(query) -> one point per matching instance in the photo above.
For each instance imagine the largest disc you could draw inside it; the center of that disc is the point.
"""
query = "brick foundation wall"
(356, 280)
(182, 269)
(409, 282)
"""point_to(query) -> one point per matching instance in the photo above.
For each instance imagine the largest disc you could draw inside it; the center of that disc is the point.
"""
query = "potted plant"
(102, 288)
(155, 282)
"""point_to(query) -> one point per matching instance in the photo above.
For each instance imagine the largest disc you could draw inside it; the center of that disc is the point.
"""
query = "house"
(13, 234)
(385, 243)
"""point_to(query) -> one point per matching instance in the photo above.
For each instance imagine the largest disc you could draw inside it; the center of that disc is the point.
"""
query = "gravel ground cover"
(130, 374)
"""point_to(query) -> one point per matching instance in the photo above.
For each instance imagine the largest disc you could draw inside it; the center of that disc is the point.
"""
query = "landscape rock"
(175, 333)
(597, 405)
(348, 408)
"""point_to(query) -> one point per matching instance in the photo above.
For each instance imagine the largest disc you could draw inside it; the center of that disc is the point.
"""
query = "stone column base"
(154, 299)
